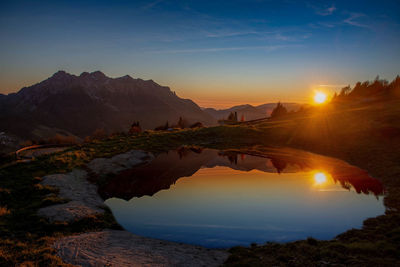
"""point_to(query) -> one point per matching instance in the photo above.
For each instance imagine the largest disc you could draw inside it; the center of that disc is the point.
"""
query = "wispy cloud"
(325, 12)
(151, 4)
(352, 20)
(222, 49)
(292, 35)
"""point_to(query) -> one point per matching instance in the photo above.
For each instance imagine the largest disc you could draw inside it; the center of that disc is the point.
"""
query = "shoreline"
(115, 247)
(22, 226)
(87, 243)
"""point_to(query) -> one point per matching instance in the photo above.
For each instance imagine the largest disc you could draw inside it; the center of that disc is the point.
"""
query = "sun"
(320, 177)
(320, 97)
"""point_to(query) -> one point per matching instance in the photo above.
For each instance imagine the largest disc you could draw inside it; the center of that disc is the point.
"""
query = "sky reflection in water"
(227, 199)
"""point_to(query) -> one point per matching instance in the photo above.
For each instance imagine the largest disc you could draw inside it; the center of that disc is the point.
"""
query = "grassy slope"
(364, 136)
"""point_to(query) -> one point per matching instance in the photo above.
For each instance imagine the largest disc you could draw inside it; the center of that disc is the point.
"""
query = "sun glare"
(320, 177)
(319, 97)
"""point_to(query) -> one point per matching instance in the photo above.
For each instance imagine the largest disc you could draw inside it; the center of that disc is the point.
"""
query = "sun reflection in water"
(320, 178)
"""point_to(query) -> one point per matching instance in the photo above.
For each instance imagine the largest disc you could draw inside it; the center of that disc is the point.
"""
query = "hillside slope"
(82, 104)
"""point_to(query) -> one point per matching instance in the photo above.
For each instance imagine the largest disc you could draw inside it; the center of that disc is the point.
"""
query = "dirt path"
(31, 152)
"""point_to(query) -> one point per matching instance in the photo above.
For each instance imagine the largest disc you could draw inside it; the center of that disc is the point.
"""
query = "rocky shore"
(113, 247)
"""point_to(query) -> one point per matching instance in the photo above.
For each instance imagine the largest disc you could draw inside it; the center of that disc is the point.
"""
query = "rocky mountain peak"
(84, 74)
(126, 77)
(61, 74)
(98, 75)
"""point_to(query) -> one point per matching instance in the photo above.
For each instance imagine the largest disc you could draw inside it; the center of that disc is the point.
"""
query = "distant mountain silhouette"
(81, 104)
(248, 111)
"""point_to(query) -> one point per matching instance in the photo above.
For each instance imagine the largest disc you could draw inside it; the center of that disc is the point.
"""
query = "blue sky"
(218, 53)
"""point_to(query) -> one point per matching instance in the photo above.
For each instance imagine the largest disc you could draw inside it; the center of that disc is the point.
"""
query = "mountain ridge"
(250, 112)
(81, 104)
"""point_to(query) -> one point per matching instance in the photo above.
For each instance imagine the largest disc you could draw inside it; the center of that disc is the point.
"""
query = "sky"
(218, 53)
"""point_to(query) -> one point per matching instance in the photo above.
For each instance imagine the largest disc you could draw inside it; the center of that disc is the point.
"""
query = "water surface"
(224, 198)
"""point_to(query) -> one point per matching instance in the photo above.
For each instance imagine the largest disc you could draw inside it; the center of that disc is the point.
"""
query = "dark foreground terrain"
(365, 134)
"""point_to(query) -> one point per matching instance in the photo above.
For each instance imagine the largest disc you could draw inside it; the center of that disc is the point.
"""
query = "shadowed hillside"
(79, 105)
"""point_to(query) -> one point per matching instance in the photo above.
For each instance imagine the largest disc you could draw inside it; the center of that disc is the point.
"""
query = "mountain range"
(249, 112)
(78, 105)
(74, 105)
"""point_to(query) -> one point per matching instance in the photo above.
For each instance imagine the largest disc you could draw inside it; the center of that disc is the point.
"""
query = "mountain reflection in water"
(167, 168)
(230, 198)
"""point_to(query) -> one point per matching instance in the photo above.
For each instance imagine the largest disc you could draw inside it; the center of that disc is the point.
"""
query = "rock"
(104, 166)
(84, 200)
(121, 248)
(112, 247)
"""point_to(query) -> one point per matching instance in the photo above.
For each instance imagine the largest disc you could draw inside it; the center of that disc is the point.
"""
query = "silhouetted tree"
(394, 87)
(232, 117)
(233, 157)
(278, 111)
(377, 89)
(346, 90)
(279, 164)
(182, 123)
